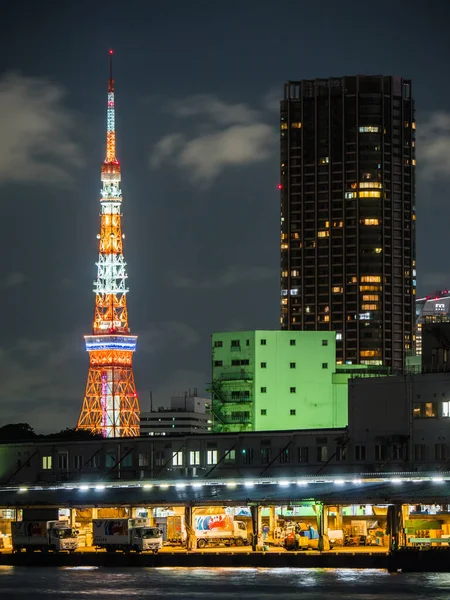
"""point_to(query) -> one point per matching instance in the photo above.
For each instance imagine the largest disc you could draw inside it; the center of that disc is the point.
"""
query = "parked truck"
(47, 536)
(220, 529)
(126, 535)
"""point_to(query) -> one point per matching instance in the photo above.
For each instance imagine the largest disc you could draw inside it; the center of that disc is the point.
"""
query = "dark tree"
(16, 432)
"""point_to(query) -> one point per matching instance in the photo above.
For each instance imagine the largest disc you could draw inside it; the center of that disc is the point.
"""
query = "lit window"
(370, 184)
(284, 301)
(284, 273)
(406, 124)
(296, 125)
(284, 246)
(326, 318)
(338, 224)
(369, 307)
(177, 459)
(369, 353)
(370, 221)
(378, 250)
(295, 273)
(338, 336)
(374, 194)
(446, 409)
(323, 234)
(369, 129)
(413, 125)
(325, 160)
(211, 457)
(46, 463)
(349, 195)
(371, 279)
(413, 162)
(283, 126)
(370, 288)
(425, 410)
(338, 290)
(370, 297)
(194, 458)
(284, 236)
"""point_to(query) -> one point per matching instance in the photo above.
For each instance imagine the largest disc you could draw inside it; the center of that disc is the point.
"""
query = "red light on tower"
(280, 187)
(110, 51)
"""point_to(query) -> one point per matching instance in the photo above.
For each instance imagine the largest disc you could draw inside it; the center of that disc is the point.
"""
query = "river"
(67, 583)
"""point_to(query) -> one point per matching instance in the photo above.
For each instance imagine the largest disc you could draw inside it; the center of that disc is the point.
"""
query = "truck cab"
(147, 539)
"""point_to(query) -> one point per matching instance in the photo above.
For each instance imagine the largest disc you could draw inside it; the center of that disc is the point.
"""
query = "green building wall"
(272, 380)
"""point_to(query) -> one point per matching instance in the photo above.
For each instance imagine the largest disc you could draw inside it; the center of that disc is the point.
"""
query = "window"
(293, 390)
(235, 343)
(263, 390)
(194, 458)
(230, 456)
(218, 344)
(380, 452)
(425, 410)
(440, 451)
(370, 221)
(324, 365)
(247, 455)
(371, 279)
(446, 409)
(303, 454)
(62, 462)
(292, 342)
(143, 459)
(263, 365)
(285, 456)
(369, 129)
(263, 342)
(94, 462)
(420, 452)
(247, 342)
(159, 458)
(397, 452)
(292, 365)
(292, 412)
(78, 462)
(218, 363)
(263, 412)
(46, 463)
(322, 453)
(296, 125)
(266, 454)
(127, 460)
(211, 457)
(360, 453)
(324, 342)
(341, 453)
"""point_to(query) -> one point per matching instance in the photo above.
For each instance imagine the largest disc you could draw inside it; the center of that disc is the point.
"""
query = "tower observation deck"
(110, 406)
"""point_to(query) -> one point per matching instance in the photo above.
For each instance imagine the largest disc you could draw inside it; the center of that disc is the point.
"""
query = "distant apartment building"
(186, 414)
(347, 193)
(274, 380)
(434, 308)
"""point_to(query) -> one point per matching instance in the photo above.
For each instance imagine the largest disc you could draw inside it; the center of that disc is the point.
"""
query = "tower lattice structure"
(110, 404)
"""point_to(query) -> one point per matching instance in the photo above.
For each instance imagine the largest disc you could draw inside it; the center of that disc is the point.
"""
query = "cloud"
(232, 275)
(15, 279)
(159, 336)
(40, 384)
(433, 147)
(228, 135)
(36, 142)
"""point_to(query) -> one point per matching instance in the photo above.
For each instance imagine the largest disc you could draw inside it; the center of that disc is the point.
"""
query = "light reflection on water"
(37, 583)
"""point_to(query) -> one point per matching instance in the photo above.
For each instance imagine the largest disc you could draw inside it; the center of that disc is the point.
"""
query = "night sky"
(197, 91)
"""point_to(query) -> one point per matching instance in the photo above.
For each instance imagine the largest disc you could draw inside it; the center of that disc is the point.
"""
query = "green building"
(272, 380)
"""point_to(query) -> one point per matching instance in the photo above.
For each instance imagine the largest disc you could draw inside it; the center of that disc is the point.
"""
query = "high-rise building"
(347, 190)
(110, 406)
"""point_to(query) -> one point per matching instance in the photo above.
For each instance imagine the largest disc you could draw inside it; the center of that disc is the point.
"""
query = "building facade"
(186, 414)
(434, 308)
(274, 380)
(347, 186)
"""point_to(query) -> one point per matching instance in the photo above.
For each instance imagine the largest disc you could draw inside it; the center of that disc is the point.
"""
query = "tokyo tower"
(110, 406)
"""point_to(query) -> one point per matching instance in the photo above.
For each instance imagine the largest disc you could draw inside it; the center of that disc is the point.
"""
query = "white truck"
(220, 529)
(47, 536)
(126, 535)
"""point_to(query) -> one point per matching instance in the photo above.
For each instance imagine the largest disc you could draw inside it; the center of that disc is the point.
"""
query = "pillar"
(73, 517)
(394, 525)
(272, 522)
(254, 509)
(320, 524)
(191, 540)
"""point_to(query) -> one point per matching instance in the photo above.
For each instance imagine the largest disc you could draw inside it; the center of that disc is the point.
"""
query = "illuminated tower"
(110, 404)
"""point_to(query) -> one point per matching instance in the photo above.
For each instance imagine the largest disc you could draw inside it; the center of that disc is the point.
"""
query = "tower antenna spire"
(110, 406)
